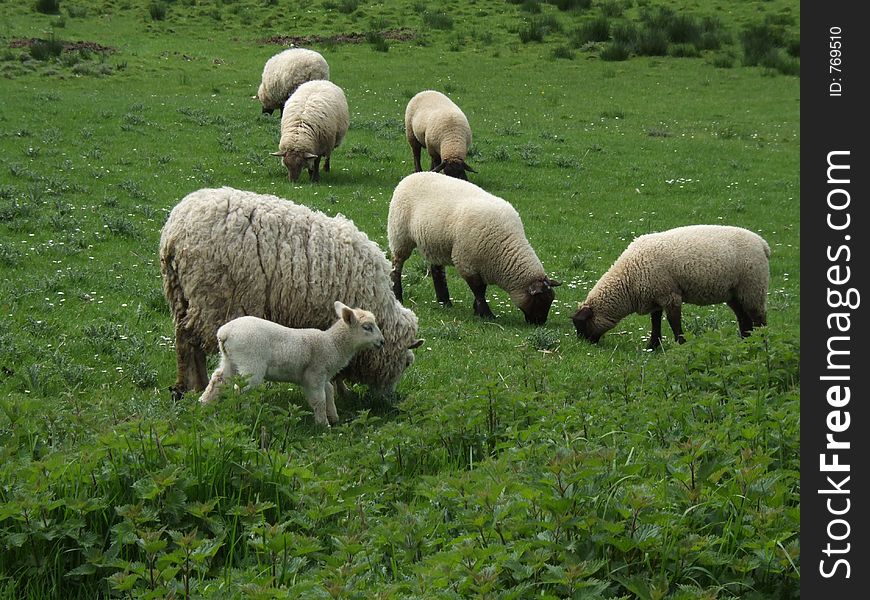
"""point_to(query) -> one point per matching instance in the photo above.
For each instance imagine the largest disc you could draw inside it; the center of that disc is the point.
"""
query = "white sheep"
(696, 264)
(225, 253)
(261, 350)
(285, 72)
(434, 122)
(313, 124)
(455, 222)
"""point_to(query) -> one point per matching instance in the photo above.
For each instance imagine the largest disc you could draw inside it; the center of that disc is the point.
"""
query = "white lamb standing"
(695, 264)
(265, 351)
(285, 72)
(313, 124)
(455, 222)
(434, 122)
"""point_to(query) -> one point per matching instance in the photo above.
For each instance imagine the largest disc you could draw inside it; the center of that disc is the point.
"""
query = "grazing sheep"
(456, 223)
(313, 124)
(263, 350)
(285, 72)
(225, 253)
(434, 122)
(697, 264)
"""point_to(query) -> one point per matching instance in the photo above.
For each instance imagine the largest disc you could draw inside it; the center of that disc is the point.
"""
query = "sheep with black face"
(285, 72)
(435, 122)
(455, 222)
(313, 124)
(695, 264)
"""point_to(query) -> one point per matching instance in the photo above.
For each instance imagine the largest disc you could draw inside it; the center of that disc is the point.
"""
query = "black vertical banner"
(835, 372)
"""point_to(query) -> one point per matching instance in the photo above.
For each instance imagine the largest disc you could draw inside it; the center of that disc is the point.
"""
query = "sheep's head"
(589, 325)
(363, 326)
(454, 167)
(295, 160)
(536, 300)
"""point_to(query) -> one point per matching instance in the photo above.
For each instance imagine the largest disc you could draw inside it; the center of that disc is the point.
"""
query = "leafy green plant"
(437, 20)
(48, 7)
(377, 41)
(157, 10)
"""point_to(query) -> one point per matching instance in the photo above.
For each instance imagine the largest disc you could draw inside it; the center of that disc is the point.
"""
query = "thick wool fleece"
(315, 119)
(438, 125)
(285, 72)
(696, 264)
(454, 222)
(225, 253)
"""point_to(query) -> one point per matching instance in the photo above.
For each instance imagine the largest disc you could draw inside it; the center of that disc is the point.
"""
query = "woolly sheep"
(696, 264)
(313, 124)
(225, 253)
(434, 122)
(263, 350)
(457, 223)
(285, 72)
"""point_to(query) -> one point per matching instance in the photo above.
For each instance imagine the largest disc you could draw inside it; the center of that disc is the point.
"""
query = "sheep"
(457, 223)
(262, 350)
(286, 71)
(225, 253)
(696, 264)
(313, 124)
(434, 122)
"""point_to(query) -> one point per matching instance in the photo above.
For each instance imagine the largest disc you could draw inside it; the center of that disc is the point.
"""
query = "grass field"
(515, 462)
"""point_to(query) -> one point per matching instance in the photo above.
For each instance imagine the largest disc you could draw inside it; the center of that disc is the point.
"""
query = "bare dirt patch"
(67, 46)
(399, 35)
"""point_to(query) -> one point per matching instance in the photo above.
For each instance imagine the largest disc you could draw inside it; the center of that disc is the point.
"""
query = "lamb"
(313, 124)
(263, 350)
(225, 253)
(457, 223)
(285, 72)
(434, 122)
(696, 264)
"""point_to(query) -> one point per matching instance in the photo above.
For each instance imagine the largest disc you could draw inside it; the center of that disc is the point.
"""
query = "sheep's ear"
(310, 156)
(467, 168)
(552, 282)
(276, 154)
(440, 167)
(339, 307)
(416, 344)
(538, 287)
(583, 313)
(345, 313)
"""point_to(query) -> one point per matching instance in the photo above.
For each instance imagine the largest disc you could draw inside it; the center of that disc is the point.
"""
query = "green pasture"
(514, 461)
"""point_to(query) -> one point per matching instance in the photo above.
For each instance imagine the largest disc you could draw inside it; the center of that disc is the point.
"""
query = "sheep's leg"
(314, 172)
(675, 320)
(255, 378)
(744, 321)
(192, 374)
(331, 412)
(478, 288)
(214, 386)
(316, 396)
(439, 280)
(416, 149)
(396, 274)
(655, 336)
(326, 164)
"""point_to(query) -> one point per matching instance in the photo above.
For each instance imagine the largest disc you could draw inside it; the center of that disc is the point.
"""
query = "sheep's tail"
(172, 289)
